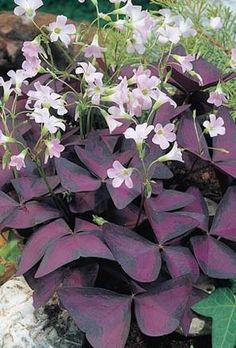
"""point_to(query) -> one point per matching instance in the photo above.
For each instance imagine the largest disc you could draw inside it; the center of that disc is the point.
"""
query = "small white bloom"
(89, 72)
(51, 123)
(27, 7)
(175, 154)
(61, 31)
(164, 135)
(215, 126)
(120, 175)
(215, 23)
(139, 134)
(7, 90)
(18, 78)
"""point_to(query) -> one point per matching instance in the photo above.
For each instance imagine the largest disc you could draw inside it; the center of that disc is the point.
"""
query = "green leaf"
(221, 307)
(2, 269)
(11, 250)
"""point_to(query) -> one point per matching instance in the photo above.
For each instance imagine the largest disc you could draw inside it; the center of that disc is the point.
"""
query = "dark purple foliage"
(112, 254)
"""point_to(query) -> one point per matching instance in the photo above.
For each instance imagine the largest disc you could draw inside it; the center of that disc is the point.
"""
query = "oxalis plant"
(96, 157)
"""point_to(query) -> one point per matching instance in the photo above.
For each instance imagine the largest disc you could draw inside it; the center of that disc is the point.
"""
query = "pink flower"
(50, 123)
(217, 98)
(214, 126)
(120, 93)
(120, 175)
(162, 99)
(94, 50)
(27, 7)
(164, 135)
(146, 91)
(18, 161)
(139, 134)
(18, 78)
(137, 73)
(89, 72)
(185, 62)
(175, 154)
(61, 30)
(136, 44)
(185, 26)
(233, 58)
(215, 23)
(31, 66)
(54, 149)
(95, 90)
(168, 34)
(31, 49)
(44, 97)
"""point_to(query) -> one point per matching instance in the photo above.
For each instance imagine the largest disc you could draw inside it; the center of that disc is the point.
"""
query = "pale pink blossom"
(139, 134)
(18, 161)
(95, 91)
(136, 44)
(134, 106)
(185, 26)
(27, 7)
(45, 97)
(137, 73)
(61, 31)
(89, 72)
(31, 49)
(162, 99)
(119, 94)
(168, 34)
(175, 154)
(164, 135)
(54, 149)
(215, 23)
(167, 16)
(146, 90)
(18, 78)
(215, 126)
(217, 98)
(120, 175)
(185, 62)
(94, 50)
(233, 58)
(50, 123)
(31, 66)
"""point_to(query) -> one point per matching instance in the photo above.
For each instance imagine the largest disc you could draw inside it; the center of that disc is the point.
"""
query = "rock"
(21, 326)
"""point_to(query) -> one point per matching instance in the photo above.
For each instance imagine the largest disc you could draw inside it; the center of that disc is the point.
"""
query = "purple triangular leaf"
(31, 214)
(7, 206)
(75, 178)
(167, 112)
(180, 261)
(198, 206)
(70, 248)
(39, 242)
(32, 187)
(215, 258)
(188, 316)
(224, 223)
(159, 311)
(167, 226)
(102, 314)
(138, 257)
(191, 138)
(169, 200)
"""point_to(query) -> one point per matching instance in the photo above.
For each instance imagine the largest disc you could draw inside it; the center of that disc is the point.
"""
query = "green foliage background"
(72, 8)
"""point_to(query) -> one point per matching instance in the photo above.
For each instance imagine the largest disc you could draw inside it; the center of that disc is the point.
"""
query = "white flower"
(175, 154)
(120, 175)
(4, 139)
(95, 90)
(168, 33)
(185, 62)
(164, 135)
(215, 126)
(27, 7)
(51, 123)
(139, 134)
(61, 30)
(7, 90)
(89, 72)
(215, 23)
(44, 97)
(185, 26)
(18, 78)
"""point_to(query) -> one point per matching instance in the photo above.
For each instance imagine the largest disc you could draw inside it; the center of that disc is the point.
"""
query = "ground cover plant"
(101, 161)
